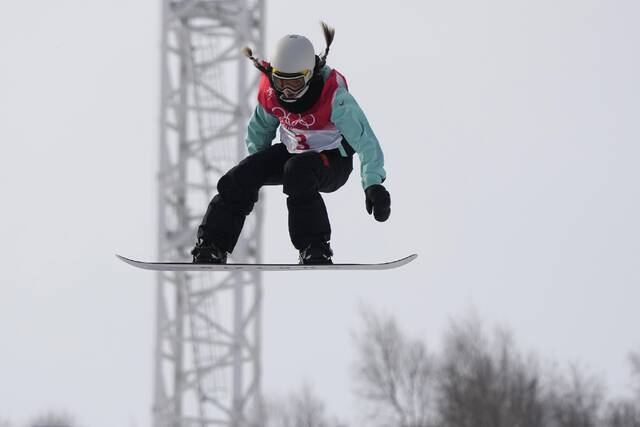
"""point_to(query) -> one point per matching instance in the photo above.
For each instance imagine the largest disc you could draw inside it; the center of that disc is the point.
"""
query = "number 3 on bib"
(302, 142)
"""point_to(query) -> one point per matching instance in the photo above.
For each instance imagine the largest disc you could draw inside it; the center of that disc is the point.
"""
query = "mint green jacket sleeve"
(352, 123)
(261, 130)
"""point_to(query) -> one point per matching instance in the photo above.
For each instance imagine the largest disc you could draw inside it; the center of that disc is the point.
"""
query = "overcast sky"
(512, 139)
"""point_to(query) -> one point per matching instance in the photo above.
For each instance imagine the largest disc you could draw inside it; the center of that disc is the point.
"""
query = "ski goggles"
(294, 82)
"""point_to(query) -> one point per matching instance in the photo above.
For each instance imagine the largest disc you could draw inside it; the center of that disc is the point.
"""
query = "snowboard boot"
(208, 253)
(316, 254)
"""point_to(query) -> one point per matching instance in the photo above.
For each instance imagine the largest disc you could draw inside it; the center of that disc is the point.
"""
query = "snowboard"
(188, 266)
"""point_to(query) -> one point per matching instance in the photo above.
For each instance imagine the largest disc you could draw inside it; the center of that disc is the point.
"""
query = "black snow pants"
(303, 176)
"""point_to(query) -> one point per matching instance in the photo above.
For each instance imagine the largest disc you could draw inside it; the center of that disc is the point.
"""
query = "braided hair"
(265, 67)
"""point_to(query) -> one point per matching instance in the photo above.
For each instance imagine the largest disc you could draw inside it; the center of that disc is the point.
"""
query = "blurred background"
(511, 136)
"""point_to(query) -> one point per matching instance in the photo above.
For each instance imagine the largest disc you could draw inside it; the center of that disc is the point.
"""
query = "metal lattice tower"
(207, 354)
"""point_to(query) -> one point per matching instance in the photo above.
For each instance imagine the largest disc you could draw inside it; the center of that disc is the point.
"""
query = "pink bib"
(312, 129)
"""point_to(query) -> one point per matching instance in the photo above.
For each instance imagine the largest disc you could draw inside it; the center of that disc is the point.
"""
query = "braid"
(329, 34)
(246, 51)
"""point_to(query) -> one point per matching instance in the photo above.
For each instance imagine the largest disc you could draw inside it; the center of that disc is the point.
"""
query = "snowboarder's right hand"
(378, 201)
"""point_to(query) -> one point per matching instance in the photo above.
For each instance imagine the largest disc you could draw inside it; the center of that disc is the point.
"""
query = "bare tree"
(53, 419)
(395, 376)
(634, 361)
(478, 380)
(576, 400)
(300, 409)
(486, 383)
(622, 414)
(626, 412)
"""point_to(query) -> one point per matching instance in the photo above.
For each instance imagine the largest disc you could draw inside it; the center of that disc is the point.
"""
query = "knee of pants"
(234, 187)
(299, 176)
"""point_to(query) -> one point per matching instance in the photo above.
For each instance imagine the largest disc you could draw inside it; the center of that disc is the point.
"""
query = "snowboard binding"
(208, 253)
(316, 254)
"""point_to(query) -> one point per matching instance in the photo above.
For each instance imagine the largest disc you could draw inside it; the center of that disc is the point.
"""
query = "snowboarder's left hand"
(378, 201)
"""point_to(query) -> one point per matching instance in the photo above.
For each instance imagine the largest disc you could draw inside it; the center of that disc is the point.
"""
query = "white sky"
(511, 134)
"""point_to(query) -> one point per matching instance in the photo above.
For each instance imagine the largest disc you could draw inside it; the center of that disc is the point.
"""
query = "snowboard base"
(188, 266)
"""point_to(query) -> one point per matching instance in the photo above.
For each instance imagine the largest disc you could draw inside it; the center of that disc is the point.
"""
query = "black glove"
(378, 201)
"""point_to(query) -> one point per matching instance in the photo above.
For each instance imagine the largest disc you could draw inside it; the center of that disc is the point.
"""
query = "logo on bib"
(293, 120)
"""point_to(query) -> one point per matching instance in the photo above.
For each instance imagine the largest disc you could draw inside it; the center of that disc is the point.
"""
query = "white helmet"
(292, 65)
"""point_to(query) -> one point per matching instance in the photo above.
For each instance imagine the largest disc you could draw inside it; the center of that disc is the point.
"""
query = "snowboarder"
(321, 128)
